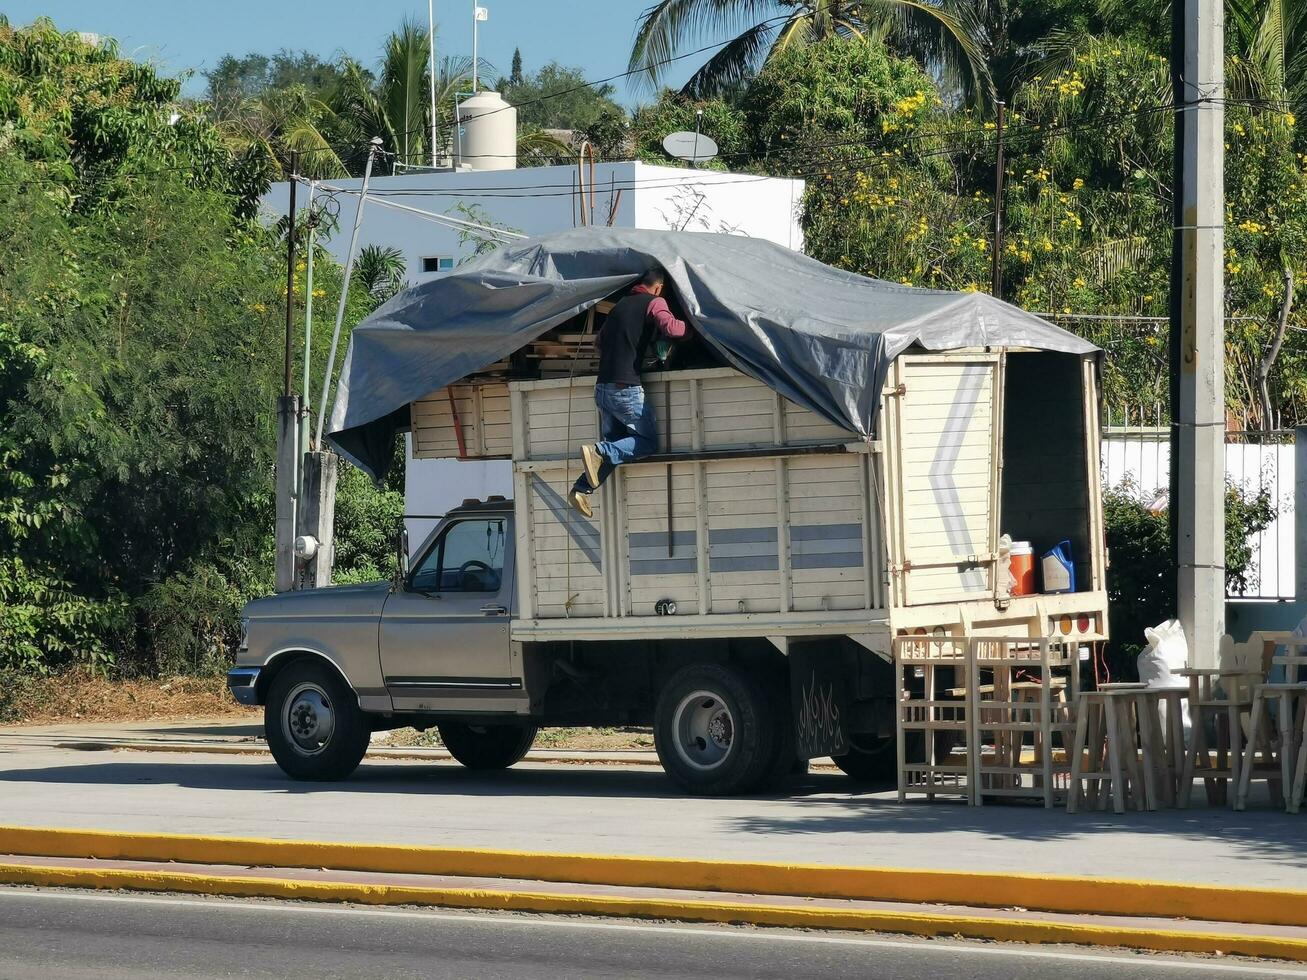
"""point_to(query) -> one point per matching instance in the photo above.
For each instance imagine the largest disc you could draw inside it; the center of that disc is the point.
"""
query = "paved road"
(108, 936)
(628, 810)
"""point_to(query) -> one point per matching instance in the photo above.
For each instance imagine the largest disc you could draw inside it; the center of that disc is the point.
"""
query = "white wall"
(1144, 460)
(539, 200)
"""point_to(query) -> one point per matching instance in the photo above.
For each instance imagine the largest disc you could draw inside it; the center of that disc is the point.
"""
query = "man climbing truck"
(842, 463)
(626, 417)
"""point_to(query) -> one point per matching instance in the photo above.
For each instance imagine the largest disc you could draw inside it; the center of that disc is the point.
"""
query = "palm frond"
(670, 25)
(733, 63)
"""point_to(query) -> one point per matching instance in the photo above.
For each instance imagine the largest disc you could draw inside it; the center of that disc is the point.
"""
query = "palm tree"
(765, 28)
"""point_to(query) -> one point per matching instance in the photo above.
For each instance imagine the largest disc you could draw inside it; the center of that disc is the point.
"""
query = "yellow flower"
(1079, 283)
(1077, 184)
(259, 308)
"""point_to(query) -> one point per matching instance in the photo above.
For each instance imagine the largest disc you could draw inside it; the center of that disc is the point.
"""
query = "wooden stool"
(1226, 714)
(1106, 722)
(1169, 739)
(1282, 755)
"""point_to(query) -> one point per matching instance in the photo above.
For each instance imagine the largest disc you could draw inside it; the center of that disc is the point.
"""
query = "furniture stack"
(985, 717)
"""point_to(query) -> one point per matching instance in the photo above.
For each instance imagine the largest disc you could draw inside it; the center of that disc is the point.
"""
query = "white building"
(535, 201)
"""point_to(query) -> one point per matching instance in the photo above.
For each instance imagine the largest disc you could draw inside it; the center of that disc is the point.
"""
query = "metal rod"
(474, 46)
(344, 290)
(431, 47)
(996, 275)
(306, 411)
(667, 448)
(290, 274)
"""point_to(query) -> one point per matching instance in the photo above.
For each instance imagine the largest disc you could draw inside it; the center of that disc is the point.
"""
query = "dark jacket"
(632, 325)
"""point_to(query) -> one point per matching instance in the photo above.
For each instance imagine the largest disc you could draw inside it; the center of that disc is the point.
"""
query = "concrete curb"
(918, 924)
(1045, 893)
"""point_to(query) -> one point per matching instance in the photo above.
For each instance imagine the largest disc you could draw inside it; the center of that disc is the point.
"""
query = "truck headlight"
(245, 634)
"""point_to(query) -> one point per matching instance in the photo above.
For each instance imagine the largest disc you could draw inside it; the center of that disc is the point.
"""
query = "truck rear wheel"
(870, 759)
(313, 723)
(714, 730)
(486, 747)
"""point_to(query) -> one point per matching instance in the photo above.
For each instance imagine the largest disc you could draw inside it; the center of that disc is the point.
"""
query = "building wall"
(539, 200)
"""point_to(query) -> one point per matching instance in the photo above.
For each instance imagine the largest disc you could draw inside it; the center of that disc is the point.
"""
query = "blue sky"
(177, 35)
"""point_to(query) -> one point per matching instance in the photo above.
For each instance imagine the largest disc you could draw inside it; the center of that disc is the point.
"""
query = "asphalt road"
(823, 818)
(75, 935)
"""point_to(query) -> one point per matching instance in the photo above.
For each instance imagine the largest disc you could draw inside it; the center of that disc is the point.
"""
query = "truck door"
(444, 635)
(944, 444)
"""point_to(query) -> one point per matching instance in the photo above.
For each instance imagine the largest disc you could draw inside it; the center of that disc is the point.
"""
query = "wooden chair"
(1280, 741)
(1223, 695)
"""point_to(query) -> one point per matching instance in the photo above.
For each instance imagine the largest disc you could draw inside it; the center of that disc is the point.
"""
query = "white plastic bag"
(1167, 651)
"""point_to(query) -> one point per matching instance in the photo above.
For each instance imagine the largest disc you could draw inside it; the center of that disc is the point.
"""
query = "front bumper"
(243, 684)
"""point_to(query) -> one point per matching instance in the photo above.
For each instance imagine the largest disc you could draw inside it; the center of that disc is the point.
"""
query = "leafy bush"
(1141, 580)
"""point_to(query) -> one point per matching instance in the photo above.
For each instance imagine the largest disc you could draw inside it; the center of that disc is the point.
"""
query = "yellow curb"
(917, 924)
(1047, 893)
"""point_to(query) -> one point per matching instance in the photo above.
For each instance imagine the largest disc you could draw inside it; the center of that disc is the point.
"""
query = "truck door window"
(468, 557)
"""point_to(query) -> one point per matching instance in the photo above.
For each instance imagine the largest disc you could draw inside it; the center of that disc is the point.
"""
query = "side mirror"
(401, 557)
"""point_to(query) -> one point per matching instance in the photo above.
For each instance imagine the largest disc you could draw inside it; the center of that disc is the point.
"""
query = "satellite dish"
(690, 147)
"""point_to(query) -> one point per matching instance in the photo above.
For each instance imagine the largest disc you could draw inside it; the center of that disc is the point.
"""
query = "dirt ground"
(78, 695)
(573, 739)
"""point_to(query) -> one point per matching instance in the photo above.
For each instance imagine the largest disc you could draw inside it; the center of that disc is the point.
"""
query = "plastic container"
(1059, 572)
(1022, 564)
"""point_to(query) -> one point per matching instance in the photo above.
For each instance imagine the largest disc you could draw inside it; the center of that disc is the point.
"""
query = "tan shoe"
(592, 460)
(581, 502)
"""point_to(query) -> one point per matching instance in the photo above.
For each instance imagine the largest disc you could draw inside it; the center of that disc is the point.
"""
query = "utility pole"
(288, 412)
(996, 271)
(1198, 325)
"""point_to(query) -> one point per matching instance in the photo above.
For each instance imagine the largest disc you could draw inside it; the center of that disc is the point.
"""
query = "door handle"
(494, 609)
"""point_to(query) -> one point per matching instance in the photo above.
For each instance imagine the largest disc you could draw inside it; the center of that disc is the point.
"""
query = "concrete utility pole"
(1198, 325)
(288, 413)
(996, 270)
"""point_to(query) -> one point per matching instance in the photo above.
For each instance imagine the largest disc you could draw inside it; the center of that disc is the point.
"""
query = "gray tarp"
(820, 336)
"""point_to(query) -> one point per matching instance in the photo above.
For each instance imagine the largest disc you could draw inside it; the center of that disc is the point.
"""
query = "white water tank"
(487, 133)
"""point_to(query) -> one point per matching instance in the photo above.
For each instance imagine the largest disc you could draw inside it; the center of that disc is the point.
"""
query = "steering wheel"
(472, 571)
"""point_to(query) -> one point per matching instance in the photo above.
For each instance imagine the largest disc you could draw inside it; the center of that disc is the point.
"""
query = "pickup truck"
(433, 648)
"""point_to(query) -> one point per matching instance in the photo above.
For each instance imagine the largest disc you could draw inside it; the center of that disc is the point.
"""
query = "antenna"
(479, 14)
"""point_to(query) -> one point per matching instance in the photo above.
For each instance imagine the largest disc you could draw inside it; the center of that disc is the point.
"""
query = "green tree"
(556, 97)
(235, 81)
(515, 72)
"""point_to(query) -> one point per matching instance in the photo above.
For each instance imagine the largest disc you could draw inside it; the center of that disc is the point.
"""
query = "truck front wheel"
(714, 730)
(313, 723)
(487, 747)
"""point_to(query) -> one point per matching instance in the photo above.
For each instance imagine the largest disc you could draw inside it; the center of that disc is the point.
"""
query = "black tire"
(870, 759)
(313, 723)
(487, 747)
(737, 747)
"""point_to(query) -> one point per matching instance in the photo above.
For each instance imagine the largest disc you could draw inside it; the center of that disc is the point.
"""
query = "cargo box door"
(943, 447)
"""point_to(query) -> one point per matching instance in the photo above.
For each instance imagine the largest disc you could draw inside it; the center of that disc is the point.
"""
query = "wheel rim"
(703, 730)
(308, 719)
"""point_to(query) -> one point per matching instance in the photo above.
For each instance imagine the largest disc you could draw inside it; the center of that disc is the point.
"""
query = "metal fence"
(1136, 456)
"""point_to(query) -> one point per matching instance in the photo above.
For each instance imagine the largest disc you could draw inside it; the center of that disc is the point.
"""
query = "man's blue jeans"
(626, 423)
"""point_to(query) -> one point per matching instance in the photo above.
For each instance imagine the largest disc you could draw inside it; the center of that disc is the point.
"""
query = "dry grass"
(79, 695)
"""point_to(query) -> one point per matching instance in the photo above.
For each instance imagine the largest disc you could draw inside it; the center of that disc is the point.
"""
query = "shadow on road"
(390, 779)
